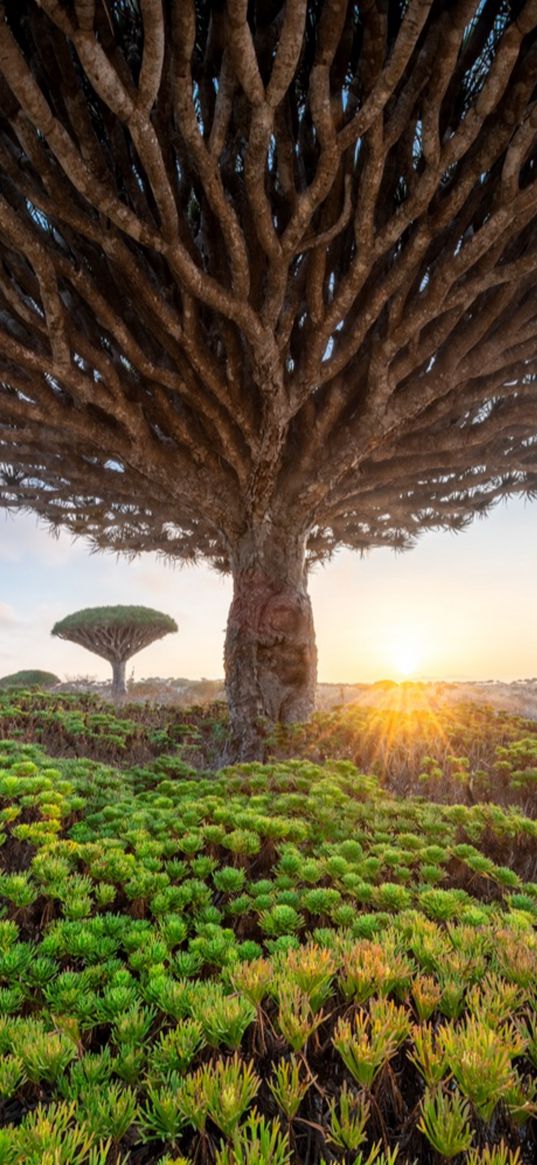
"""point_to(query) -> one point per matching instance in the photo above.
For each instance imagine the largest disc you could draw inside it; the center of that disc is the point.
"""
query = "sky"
(456, 607)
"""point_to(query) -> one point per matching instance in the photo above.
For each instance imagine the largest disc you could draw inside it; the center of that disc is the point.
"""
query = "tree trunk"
(119, 684)
(270, 653)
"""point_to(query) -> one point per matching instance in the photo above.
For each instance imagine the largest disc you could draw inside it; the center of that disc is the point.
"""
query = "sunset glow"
(406, 651)
(406, 658)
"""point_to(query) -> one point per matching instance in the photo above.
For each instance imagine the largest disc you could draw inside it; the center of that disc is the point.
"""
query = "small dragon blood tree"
(115, 633)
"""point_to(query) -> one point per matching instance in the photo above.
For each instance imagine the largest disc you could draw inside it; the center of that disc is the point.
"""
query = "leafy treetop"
(118, 616)
(115, 633)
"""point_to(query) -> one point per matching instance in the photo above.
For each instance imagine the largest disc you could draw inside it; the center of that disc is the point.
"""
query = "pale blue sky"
(458, 606)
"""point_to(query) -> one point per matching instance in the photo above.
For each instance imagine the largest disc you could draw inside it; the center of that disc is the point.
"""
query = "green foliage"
(480, 1059)
(445, 1121)
(296, 1020)
(348, 1120)
(52, 1134)
(114, 617)
(29, 679)
(289, 1085)
(366, 1044)
(176, 947)
(175, 1049)
(260, 1142)
(225, 1018)
(228, 1087)
(162, 1118)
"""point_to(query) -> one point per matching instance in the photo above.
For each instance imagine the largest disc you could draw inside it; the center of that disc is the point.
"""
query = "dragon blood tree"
(267, 287)
(115, 633)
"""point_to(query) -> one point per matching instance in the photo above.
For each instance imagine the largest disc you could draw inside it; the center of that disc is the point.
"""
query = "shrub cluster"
(268, 964)
(457, 753)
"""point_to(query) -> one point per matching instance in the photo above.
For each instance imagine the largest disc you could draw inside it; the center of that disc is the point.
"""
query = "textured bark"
(119, 682)
(270, 653)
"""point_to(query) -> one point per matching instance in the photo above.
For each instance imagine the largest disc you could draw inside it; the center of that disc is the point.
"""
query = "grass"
(266, 963)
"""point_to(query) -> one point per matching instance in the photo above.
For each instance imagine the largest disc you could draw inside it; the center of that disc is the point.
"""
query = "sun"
(406, 650)
(406, 658)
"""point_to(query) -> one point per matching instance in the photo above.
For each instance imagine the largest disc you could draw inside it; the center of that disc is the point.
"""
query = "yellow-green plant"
(348, 1117)
(228, 1087)
(162, 1118)
(225, 1020)
(252, 979)
(110, 1111)
(515, 956)
(91, 1071)
(428, 1054)
(46, 1055)
(12, 1075)
(171, 996)
(52, 1134)
(494, 1000)
(18, 889)
(376, 1156)
(445, 1122)
(520, 1099)
(295, 1019)
(312, 968)
(175, 1160)
(8, 1148)
(289, 1086)
(391, 1018)
(528, 1031)
(258, 1142)
(133, 1025)
(364, 970)
(129, 1063)
(426, 995)
(192, 1100)
(174, 1051)
(480, 1059)
(364, 1046)
(494, 1155)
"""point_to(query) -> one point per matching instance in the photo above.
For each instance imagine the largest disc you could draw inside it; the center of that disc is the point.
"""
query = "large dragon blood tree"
(267, 286)
(116, 634)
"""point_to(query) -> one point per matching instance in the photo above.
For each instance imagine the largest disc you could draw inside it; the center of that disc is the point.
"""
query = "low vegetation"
(456, 752)
(268, 963)
(33, 678)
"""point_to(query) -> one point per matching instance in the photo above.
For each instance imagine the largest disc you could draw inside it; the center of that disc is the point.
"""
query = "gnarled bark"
(270, 653)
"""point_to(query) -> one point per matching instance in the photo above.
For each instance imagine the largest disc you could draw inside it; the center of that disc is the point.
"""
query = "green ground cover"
(264, 964)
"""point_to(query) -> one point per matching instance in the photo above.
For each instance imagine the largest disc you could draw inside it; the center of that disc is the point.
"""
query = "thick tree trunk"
(119, 683)
(270, 653)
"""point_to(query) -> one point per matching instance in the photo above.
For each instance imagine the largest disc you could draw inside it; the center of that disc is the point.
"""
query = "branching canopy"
(267, 258)
(115, 633)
